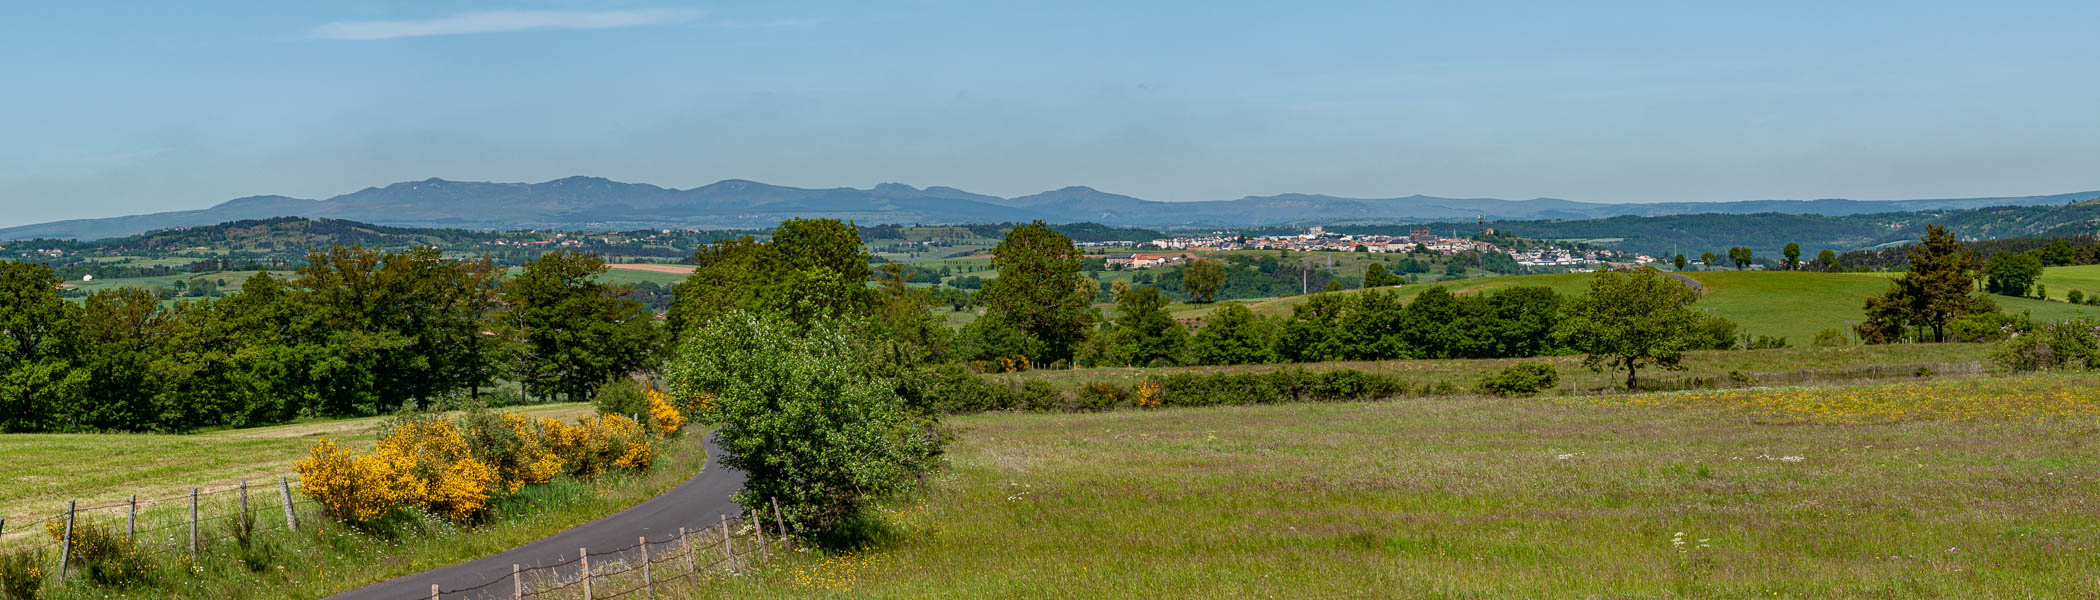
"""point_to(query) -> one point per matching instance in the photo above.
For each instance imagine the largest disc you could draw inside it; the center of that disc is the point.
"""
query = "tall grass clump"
(22, 574)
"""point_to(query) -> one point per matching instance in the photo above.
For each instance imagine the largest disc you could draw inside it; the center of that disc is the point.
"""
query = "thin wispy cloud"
(503, 21)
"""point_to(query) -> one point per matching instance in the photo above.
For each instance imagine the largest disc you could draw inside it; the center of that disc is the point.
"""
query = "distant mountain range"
(593, 203)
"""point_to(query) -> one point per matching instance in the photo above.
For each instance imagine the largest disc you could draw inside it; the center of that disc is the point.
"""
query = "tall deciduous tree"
(1709, 259)
(577, 332)
(1740, 255)
(39, 337)
(1678, 261)
(1793, 256)
(1202, 279)
(1827, 260)
(1039, 290)
(2012, 273)
(1232, 335)
(1144, 334)
(1631, 320)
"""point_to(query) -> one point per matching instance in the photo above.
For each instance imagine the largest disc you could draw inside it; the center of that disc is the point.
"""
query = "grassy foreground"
(1981, 488)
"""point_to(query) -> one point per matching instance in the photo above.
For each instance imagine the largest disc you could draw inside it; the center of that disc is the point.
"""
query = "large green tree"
(1143, 334)
(1039, 290)
(1827, 260)
(1202, 279)
(2012, 273)
(39, 339)
(1931, 294)
(1793, 256)
(811, 269)
(578, 332)
(1377, 275)
(1631, 320)
(1231, 335)
(1740, 257)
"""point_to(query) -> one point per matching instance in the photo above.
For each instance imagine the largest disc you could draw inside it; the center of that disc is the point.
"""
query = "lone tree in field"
(1631, 320)
(1202, 279)
(1679, 261)
(1039, 289)
(1827, 260)
(2013, 273)
(1740, 255)
(1793, 256)
(1933, 293)
(1709, 259)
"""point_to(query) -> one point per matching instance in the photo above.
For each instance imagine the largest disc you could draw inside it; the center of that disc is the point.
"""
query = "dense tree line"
(2058, 251)
(359, 331)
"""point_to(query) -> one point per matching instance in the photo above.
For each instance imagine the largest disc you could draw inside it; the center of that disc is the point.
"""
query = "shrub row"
(951, 389)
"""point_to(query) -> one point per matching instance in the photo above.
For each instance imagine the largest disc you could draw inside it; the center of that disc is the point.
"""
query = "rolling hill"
(594, 203)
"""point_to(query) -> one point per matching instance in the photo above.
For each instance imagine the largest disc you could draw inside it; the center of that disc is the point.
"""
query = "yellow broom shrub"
(357, 488)
(664, 418)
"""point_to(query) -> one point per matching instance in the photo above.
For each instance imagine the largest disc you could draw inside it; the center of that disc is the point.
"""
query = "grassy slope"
(1975, 497)
(1794, 305)
(2061, 280)
(45, 470)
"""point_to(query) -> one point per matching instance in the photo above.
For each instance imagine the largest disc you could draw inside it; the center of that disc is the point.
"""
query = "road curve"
(696, 504)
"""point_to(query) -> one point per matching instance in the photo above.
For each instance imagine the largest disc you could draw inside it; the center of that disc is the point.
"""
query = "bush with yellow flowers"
(21, 573)
(664, 418)
(454, 468)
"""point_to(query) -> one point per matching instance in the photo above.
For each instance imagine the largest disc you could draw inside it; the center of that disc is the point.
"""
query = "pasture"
(1948, 489)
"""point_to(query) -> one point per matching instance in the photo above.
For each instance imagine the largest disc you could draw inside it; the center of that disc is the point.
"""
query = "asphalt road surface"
(697, 504)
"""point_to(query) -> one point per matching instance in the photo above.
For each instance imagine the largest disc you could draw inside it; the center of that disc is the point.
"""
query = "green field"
(1790, 304)
(1947, 489)
(2061, 280)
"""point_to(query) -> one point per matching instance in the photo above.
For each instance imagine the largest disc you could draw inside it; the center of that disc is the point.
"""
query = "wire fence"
(179, 526)
(733, 546)
(185, 527)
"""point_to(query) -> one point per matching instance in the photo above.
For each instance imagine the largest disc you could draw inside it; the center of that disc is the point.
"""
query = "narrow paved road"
(697, 504)
(1696, 286)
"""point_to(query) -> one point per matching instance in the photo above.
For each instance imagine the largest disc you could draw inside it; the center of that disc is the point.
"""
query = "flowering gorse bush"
(664, 418)
(453, 469)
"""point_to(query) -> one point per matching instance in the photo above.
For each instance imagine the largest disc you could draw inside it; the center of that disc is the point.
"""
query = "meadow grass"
(44, 470)
(2061, 280)
(1792, 365)
(1988, 493)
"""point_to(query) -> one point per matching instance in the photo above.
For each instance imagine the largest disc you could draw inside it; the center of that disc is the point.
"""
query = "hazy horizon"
(119, 109)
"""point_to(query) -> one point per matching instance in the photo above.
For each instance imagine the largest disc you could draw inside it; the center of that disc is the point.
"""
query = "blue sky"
(114, 108)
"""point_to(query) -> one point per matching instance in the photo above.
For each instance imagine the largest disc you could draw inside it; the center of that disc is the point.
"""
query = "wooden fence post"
(244, 501)
(584, 555)
(193, 523)
(131, 519)
(780, 526)
(291, 518)
(728, 548)
(65, 544)
(758, 528)
(688, 542)
(517, 583)
(648, 579)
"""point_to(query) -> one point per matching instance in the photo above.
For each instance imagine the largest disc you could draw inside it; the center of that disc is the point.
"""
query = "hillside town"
(1317, 239)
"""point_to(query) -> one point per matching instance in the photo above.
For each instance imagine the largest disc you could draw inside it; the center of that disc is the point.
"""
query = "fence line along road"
(698, 505)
